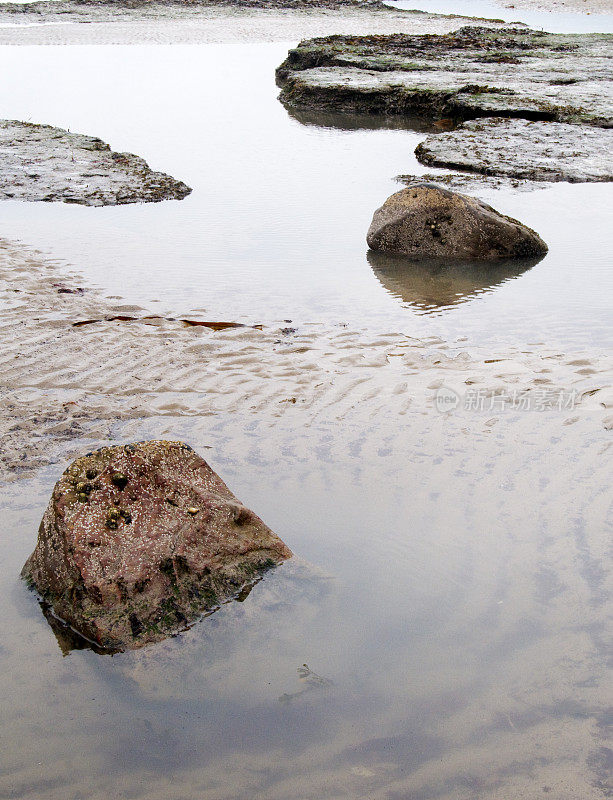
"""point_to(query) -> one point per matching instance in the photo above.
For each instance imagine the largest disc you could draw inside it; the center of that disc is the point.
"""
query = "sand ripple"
(59, 381)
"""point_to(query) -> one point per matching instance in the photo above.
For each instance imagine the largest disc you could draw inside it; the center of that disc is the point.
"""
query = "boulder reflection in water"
(434, 286)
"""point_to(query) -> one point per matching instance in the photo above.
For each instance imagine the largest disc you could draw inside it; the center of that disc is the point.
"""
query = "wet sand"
(579, 6)
(58, 379)
(198, 24)
(219, 24)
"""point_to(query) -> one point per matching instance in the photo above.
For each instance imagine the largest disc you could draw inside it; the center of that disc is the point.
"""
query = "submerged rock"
(139, 540)
(216, 658)
(40, 162)
(539, 151)
(425, 221)
(472, 72)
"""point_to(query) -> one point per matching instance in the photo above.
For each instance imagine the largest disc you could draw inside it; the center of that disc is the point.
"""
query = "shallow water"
(455, 611)
(453, 621)
(275, 226)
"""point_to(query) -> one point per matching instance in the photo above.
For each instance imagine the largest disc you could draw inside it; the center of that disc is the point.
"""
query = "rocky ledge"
(505, 75)
(40, 162)
(139, 540)
(472, 72)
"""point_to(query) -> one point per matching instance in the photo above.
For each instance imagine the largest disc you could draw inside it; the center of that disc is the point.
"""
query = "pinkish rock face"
(139, 540)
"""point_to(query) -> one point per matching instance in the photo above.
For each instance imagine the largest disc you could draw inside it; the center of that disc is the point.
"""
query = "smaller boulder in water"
(425, 221)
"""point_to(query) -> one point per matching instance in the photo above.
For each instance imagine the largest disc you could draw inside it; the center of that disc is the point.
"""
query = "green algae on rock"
(425, 221)
(140, 540)
(40, 162)
(469, 73)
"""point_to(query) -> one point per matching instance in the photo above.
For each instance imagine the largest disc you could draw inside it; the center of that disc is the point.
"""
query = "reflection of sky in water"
(558, 22)
(275, 227)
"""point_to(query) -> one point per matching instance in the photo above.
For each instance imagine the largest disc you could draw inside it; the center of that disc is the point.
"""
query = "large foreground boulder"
(139, 540)
(425, 221)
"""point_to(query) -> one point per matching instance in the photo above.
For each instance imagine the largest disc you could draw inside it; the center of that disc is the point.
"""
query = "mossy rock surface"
(469, 73)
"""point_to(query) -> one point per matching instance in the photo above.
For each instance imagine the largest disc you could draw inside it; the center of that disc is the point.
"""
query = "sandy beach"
(579, 6)
(224, 24)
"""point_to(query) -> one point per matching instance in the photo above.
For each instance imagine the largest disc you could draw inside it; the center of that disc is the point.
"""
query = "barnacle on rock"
(119, 479)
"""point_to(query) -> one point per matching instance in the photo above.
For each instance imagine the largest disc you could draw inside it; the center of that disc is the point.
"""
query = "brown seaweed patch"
(188, 323)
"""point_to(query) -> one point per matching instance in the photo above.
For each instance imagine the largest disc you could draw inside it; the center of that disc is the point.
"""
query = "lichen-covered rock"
(139, 540)
(425, 221)
(547, 99)
(43, 163)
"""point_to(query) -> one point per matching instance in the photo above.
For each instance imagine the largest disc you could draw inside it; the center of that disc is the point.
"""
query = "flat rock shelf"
(539, 151)
(40, 162)
(548, 98)
(472, 72)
